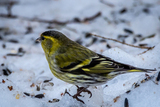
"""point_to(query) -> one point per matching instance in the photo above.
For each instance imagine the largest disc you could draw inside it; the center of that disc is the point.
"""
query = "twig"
(146, 50)
(77, 20)
(8, 16)
(107, 3)
(92, 17)
(142, 47)
(9, 5)
(4, 3)
(34, 19)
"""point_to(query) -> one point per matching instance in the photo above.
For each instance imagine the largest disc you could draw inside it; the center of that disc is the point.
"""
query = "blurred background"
(23, 64)
(128, 21)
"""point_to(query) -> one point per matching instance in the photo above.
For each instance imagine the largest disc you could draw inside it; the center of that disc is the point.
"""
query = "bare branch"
(146, 50)
(77, 20)
(142, 47)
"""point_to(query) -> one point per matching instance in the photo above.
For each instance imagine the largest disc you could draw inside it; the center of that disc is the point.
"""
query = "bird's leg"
(75, 96)
(80, 90)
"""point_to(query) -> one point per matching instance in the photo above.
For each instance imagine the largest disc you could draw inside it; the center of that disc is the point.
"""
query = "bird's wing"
(96, 65)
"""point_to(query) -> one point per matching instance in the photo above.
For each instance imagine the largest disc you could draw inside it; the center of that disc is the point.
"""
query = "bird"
(78, 65)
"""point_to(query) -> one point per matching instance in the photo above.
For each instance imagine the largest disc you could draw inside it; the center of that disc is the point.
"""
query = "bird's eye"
(42, 38)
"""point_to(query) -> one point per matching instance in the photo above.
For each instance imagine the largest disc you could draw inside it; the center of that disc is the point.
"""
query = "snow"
(30, 71)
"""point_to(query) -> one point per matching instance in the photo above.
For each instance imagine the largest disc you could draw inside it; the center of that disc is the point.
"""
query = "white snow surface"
(30, 70)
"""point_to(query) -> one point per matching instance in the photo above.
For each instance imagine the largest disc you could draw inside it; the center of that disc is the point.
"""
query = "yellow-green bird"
(75, 64)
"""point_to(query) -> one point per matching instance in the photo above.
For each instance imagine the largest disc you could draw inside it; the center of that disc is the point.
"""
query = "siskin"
(78, 65)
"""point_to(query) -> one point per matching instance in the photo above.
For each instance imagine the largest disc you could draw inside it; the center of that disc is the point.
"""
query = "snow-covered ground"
(24, 73)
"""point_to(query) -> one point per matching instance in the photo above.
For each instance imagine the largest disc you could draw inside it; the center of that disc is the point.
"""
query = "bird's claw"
(79, 91)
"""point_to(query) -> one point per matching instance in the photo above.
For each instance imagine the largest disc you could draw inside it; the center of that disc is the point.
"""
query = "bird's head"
(51, 41)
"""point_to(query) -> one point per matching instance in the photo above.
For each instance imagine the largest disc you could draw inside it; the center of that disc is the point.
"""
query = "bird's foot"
(82, 89)
(79, 91)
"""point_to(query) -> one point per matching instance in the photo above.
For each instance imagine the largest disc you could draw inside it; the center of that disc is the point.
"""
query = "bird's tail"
(141, 70)
(123, 71)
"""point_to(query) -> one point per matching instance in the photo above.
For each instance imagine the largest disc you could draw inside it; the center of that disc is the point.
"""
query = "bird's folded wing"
(94, 65)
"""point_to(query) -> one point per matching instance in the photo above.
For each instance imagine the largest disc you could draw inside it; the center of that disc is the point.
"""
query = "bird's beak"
(39, 39)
